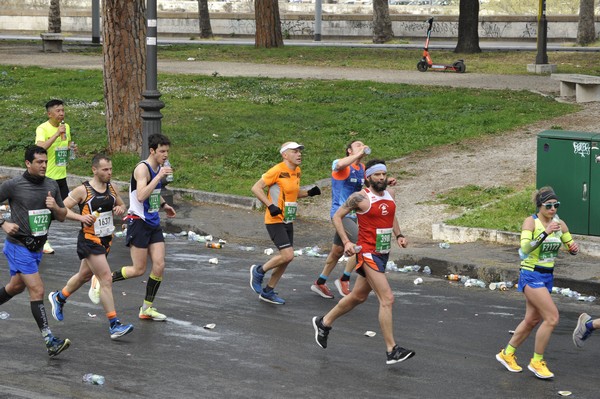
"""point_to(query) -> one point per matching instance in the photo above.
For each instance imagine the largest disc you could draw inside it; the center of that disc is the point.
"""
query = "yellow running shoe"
(94, 292)
(540, 369)
(151, 314)
(509, 361)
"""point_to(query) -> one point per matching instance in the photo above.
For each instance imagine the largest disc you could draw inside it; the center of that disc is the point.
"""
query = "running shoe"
(581, 333)
(151, 314)
(321, 332)
(509, 361)
(343, 287)
(56, 345)
(540, 369)
(118, 330)
(322, 290)
(271, 297)
(94, 292)
(57, 307)
(256, 279)
(398, 354)
(48, 248)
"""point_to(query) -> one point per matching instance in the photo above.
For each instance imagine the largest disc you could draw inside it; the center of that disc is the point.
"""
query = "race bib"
(549, 250)
(39, 221)
(383, 242)
(289, 212)
(104, 226)
(61, 155)
(154, 201)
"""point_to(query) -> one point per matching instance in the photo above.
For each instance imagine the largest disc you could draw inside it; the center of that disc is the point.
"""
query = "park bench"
(52, 42)
(584, 88)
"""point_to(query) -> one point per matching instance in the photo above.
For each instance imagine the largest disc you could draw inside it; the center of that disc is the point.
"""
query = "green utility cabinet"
(570, 163)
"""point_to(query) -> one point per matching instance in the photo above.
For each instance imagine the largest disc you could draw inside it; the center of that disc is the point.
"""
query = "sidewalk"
(243, 225)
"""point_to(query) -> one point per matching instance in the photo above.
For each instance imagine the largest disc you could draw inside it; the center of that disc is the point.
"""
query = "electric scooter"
(426, 62)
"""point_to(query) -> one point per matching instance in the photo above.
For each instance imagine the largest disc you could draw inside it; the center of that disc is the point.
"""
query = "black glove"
(314, 191)
(274, 210)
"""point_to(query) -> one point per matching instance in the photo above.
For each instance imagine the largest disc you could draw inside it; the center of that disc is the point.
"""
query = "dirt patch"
(507, 159)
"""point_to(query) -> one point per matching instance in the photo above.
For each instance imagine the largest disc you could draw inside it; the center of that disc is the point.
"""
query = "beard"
(379, 186)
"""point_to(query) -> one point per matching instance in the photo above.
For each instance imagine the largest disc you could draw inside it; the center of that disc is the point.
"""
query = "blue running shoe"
(56, 345)
(118, 330)
(57, 307)
(271, 297)
(256, 279)
(581, 333)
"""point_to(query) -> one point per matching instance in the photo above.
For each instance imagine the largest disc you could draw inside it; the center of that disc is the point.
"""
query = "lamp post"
(151, 104)
(542, 37)
(96, 21)
(318, 19)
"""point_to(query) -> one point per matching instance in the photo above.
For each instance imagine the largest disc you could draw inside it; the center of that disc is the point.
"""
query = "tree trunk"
(586, 32)
(268, 24)
(468, 23)
(124, 51)
(204, 20)
(54, 17)
(382, 24)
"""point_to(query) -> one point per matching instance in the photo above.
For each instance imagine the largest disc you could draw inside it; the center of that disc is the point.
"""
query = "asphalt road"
(258, 350)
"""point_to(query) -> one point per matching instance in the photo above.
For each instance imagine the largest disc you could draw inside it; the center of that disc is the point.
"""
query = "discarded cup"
(4, 315)
(94, 379)
(210, 326)
(418, 281)
(214, 261)
(269, 251)
(370, 333)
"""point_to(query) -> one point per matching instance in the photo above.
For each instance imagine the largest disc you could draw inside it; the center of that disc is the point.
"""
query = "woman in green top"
(542, 235)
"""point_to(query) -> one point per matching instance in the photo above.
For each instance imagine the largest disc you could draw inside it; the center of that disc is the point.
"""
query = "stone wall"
(77, 21)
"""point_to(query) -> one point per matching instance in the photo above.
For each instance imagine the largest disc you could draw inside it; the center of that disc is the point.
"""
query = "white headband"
(378, 167)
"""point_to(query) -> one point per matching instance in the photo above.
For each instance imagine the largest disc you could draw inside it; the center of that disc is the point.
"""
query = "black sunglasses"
(549, 205)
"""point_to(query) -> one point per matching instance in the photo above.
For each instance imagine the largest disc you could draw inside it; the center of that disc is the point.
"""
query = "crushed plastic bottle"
(214, 245)
(427, 270)
(269, 251)
(298, 252)
(391, 266)
(198, 238)
(247, 249)
(584, 298)
(418, 281)
(213, 261)
(474, 282)
(444, 245)
(94, 379)
(4, 315)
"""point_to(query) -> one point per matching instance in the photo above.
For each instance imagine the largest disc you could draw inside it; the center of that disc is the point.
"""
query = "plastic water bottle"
(168, 177)
(357, 248)
(367, 150)
(4, 315)
(94, 379)
(96, 213)
(72, 154)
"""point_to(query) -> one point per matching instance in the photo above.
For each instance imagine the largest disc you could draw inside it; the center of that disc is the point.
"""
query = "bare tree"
(268, 24)
(468, 23)
(382, 24)
(204, 20)
(124, 51)
(54, 17)
(586, 32)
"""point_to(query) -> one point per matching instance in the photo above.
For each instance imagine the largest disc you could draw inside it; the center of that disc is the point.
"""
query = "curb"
(588, 245)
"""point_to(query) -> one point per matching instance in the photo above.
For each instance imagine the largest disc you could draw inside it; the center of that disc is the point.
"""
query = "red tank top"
(376, 225)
